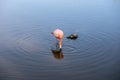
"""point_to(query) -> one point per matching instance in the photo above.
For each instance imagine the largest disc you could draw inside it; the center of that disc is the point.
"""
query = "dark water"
(26, 42)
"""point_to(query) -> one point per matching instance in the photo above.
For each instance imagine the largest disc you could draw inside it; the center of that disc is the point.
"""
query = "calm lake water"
(26, 42)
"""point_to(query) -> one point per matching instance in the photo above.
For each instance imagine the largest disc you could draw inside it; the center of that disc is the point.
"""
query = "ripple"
(84, 56)
(85, 45)
(69, 49)
(91, 51)
(29, 44)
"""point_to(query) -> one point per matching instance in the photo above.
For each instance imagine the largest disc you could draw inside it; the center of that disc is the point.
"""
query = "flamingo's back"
(58, 33)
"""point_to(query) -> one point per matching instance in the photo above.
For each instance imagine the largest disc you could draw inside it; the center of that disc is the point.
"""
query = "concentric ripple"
(92, 51)
(29, 44)
(88, 55)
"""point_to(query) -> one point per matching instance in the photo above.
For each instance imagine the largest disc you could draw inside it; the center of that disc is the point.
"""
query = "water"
(27, 46)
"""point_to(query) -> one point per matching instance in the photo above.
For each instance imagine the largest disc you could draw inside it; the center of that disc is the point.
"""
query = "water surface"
(26, 42)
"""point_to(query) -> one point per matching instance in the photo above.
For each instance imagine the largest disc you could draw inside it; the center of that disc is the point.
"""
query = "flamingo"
(58, 34)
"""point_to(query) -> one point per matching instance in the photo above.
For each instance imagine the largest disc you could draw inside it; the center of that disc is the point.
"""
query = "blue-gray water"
(26, 40)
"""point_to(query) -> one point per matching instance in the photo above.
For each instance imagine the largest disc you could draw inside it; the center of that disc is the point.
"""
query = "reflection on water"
(58, 54)
(28, 50)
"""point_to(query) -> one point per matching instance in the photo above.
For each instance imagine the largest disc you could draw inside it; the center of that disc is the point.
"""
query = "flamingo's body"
(58, 35)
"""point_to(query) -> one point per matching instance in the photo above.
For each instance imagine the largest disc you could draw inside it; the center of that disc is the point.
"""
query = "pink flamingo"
(58, 35)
